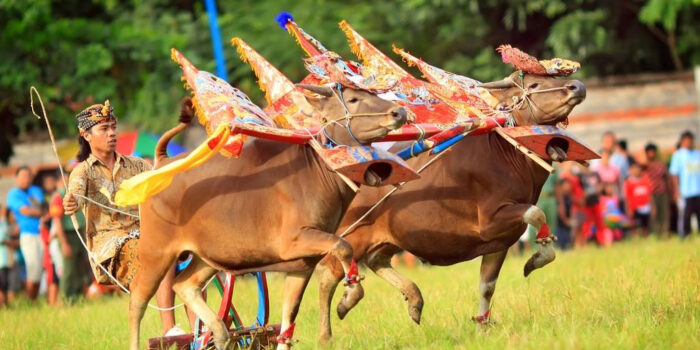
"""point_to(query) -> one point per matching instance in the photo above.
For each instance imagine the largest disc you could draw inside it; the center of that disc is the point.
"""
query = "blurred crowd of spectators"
(623, 195)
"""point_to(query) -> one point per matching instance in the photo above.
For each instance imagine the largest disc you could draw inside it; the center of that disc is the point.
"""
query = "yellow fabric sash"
(138, 188)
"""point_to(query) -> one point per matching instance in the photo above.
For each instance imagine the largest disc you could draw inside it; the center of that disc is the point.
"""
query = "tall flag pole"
(216, 39)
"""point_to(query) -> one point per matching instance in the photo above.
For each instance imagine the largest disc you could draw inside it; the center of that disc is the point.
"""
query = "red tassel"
(544, 231)
(482, 318)
(286, 336)
(352, 273)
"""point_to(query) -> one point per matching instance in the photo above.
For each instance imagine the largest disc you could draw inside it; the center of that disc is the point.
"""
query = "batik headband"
(94, 115)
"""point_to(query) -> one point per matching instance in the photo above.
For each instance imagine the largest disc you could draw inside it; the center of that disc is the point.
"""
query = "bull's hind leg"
(188, 286)
(490, 268)
(329, 273)
(311, 242)
(380, 262)
(153, 266)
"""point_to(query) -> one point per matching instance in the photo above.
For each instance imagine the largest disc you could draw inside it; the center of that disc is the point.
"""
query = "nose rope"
(525, 97)
(338, 93)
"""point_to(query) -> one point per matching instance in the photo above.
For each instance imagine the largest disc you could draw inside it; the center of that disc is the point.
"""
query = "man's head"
(98, 130)
(608, 140)
(687, 139)
(621, 146)
(635, 169)
(48, 183)
(24, 177)
(651, 151)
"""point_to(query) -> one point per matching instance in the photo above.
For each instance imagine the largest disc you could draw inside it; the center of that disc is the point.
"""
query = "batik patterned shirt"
(106, 230)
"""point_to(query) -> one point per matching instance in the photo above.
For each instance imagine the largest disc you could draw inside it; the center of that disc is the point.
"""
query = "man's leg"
(165, 296)
(695, 211)
(32, 250)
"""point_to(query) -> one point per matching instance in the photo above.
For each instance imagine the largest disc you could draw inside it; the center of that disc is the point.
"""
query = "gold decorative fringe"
(354, 47)
(238, 43)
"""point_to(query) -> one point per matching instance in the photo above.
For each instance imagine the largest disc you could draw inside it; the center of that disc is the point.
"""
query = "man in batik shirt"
(112, 236)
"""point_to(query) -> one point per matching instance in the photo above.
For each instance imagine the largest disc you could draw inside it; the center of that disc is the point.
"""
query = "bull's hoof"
(415, 313)
(325, 339)
(543, 257)
(353, 294)
(415, 307)
(530, 265)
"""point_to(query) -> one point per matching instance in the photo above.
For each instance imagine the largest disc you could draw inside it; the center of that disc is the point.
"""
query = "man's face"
(24, 179)
(651, 154)
(608, 141)
(687, 142)
(49, 184)
(103, 136)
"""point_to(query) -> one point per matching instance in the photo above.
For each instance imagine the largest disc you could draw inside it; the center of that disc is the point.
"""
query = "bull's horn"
(321, 90)
(499, 84)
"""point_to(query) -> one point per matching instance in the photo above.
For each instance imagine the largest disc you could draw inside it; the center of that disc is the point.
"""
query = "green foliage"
(78, 52)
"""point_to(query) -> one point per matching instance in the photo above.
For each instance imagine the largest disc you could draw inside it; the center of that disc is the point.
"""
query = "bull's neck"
(520, 161)
(336, 187)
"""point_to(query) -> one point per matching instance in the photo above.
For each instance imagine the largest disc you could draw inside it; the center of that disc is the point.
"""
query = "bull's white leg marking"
(534, 216)
(486, 290)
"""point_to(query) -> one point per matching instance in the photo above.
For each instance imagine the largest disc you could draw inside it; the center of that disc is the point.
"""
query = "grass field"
(636, 295)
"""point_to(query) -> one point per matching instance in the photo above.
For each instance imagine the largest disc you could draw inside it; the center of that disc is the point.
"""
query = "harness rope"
(525, 97)
(73, 218)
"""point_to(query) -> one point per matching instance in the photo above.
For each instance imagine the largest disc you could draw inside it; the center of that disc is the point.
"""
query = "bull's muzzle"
(576, 89)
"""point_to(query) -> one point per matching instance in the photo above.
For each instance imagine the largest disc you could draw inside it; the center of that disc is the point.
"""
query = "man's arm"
(76, 184)
(56, 211)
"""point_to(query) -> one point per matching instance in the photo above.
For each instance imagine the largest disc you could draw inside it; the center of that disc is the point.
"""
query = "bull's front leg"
(308, 243)
(511, 215)
(490, 269)
(535, 217)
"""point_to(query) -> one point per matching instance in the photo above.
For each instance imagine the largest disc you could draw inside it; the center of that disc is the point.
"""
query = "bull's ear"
(316, 102)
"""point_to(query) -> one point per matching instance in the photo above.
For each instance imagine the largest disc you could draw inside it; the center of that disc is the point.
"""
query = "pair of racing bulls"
(278, 206)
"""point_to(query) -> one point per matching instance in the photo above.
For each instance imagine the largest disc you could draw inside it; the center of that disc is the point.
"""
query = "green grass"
(636, 295)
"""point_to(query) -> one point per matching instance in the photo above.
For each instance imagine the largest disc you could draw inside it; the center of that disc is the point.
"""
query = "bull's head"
(537, 99)
(368, 117)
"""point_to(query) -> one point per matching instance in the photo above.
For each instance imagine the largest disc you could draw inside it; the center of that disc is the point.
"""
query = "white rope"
(396, 188)
(104, 206)
(73, 217)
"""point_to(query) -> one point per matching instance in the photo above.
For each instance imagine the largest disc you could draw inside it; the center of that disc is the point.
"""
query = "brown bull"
(273, 209)
(474, 201)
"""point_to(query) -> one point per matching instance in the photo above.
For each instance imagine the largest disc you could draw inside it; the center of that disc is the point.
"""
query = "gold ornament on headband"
(94, 114)
(106, 108)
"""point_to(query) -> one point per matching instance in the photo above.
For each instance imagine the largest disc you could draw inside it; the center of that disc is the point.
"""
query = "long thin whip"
(73, 218)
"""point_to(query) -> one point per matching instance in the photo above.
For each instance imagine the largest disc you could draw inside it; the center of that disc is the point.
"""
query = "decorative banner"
(218, 103)
(462, 92)
(529, 64)
(536, 138)
(285, 101)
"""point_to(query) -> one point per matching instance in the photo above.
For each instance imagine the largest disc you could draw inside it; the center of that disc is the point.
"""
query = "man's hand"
(66, 250)
(70, 205)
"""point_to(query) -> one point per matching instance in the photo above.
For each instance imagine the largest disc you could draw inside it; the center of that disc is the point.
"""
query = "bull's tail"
(186, 115)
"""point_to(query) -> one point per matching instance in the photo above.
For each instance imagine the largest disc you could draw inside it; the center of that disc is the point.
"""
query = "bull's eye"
(353, 100)
(533, 86)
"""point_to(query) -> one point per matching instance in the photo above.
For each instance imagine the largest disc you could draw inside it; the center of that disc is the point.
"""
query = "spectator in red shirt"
(569, 172)
(638, 191)
(657, 173)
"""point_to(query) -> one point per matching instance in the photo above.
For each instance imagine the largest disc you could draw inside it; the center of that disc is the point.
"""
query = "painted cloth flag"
(286, 102)
(216, 103)
(398, 85)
